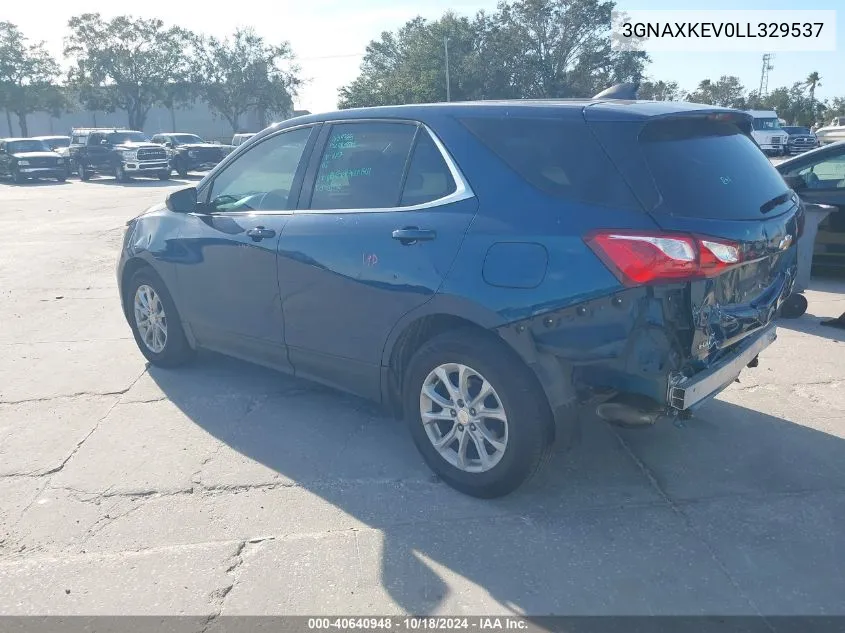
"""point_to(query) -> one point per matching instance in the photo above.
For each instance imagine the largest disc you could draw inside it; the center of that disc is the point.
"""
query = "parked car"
(480, 269)
(240, 139)
(190, 153)
(819, 178)
(58, 144)
(119, 153)
(767, 131)
(832, 132)
(25, 158)
(799, 139)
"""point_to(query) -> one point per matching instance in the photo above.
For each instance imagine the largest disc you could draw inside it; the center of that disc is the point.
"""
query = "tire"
(120, 174)
(83, 172)
(175, 349)
(527, 440)
(18, 177)
(164, 175)
(61, 178)
(180, 168)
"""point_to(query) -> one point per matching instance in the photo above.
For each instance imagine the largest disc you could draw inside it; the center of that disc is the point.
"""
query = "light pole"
(448, 83)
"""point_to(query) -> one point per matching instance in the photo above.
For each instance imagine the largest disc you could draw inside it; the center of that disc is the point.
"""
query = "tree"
(526, 49)
(129, 61)
(660, 91)
(26, 75)
(242, 74)
(727, 92)
(812, 81)
(177, 95)
(410, 65)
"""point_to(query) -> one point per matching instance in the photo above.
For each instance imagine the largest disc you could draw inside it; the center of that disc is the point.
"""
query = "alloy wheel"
(464, 417)
(150, 318)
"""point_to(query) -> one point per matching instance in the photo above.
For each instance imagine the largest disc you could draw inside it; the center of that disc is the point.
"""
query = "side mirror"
(796, 183)
(168, 144)
(182, 201)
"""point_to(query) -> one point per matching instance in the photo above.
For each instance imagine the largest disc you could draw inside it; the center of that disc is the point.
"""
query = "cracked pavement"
(226, 489)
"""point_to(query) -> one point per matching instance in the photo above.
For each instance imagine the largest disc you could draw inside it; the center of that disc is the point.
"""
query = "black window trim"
(462, 189)
(207, 186)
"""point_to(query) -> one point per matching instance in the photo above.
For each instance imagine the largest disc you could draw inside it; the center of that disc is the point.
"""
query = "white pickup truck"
(767, 131)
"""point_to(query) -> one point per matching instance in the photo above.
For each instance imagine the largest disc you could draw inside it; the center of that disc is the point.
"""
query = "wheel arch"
(132, 266)
(439, 316)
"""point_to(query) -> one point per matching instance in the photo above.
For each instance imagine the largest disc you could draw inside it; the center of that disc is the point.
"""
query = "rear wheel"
(155, 321)
(476, 413)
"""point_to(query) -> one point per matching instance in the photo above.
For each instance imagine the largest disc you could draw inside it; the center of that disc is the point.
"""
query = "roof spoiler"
(625, 91)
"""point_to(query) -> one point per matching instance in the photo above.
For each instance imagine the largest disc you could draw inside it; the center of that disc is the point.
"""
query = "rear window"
(709, 169)
(558, 157)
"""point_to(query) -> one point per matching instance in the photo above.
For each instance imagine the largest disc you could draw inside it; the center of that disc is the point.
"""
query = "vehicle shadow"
(36, 183)
(609, 528)
(139, 182)
(812, 324)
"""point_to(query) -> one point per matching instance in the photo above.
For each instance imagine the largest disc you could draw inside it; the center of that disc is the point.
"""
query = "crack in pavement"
(48, 474)
(676, 508)
(78, 394)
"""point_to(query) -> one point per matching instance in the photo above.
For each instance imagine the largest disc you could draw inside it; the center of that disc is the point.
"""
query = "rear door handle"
(259, 233)
(412, 234)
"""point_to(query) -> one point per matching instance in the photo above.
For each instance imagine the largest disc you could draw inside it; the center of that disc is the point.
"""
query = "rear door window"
(362, 166)
(560, 157)
(709, 169)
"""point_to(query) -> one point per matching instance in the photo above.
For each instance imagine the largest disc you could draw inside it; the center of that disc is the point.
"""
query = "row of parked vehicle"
(120, 153)
(777, 139)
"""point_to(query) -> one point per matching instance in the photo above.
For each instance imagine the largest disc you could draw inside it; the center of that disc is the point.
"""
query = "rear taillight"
(644, 258)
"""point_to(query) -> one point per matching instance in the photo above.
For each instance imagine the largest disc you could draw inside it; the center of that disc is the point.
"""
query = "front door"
(380, 220)
(227, 276)
(819, 179)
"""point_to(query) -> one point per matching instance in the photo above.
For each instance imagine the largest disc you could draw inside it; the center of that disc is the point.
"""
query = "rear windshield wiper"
(775, 202)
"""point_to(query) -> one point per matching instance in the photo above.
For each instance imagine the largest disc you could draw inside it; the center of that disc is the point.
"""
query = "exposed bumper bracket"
(693, 390)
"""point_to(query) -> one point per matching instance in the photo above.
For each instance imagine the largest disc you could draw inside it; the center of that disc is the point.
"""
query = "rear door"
(702, 174)
(98, 152)
(382, 215)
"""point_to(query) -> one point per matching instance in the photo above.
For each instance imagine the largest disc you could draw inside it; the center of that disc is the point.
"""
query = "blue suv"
(485, 270)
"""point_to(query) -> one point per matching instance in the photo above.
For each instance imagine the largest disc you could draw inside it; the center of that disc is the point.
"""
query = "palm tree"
(812, 81)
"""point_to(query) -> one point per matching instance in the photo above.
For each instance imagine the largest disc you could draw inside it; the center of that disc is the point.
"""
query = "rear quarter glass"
(560, 157)
(709, 169)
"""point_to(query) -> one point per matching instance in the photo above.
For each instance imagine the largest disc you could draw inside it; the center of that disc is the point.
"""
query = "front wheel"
(18, 177)
(84, 172)
(120, 174)
(476, 413)
(164, 175)
(155, 322)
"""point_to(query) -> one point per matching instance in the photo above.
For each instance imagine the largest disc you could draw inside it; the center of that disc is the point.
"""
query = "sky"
(329, 37)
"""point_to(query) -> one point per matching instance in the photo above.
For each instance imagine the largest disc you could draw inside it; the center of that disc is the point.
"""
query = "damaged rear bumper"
(685, 393)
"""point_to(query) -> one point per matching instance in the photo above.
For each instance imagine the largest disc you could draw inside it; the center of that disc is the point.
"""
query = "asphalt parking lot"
(223, 488)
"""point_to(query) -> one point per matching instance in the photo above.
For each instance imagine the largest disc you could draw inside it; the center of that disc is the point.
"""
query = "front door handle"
(412, 234)
(260, 233)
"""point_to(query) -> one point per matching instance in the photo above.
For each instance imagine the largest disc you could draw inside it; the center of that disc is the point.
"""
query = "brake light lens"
(645, 258)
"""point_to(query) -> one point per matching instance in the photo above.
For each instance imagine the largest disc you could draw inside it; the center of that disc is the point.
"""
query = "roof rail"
(625, 91)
